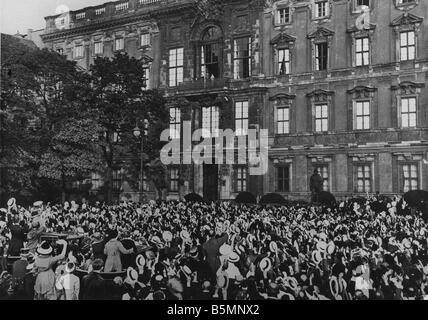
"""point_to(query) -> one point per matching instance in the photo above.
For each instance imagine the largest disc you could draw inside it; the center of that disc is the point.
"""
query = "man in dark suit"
(18, 233)
(128, 260)
(316, 185)
(98, 247)
(93, 285)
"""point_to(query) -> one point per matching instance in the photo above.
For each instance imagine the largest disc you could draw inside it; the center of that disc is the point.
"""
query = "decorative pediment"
(320, 92)
(321, 33)
(362, 157)
(145, 58)
(408, 87)
(362, 91)
(406, 19)
(282, 97)
(282, 39)
(354, 29)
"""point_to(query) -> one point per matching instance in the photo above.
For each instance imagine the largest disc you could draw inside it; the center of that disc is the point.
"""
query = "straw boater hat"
(140, 261)
(167, 236)
(184, 235)
(273, 246)
(225, 250)
(233, 257)
(44, 249)
(316, 256)
(131, 275)
(25, 252)
(11, 202)
(265, 264)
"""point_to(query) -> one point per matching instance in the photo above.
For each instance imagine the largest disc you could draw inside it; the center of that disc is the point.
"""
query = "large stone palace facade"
(336, 92)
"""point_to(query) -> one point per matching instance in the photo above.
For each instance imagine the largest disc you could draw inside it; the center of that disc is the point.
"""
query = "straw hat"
(167, 236)
(316, 257)
(140, 261)
(233, 257)
(225, 250)
(11, 202)
(44, 249)
(265, 264)
(273, 246)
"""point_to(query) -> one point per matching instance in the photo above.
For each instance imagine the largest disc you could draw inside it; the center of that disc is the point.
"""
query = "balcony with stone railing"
(106, 12)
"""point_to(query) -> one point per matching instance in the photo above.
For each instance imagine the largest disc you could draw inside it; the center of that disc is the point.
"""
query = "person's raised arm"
(123, 250)
(63, 252)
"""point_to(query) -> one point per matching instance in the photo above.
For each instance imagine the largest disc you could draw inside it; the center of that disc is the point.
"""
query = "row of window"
(362, 117)
(321, 9)
(210, 62)
(363, 177)
(119, 44)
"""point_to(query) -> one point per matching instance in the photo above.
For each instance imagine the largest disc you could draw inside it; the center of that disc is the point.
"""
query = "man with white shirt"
(69, 284)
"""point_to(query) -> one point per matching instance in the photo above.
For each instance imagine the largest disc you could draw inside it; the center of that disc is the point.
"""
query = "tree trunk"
(109, 185)
(63, 189)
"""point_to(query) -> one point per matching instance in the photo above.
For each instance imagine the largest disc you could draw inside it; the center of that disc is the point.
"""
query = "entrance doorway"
(210, 182)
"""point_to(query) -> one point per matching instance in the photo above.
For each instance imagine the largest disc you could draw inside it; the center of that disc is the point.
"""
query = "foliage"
(121, 103)
(43, 104)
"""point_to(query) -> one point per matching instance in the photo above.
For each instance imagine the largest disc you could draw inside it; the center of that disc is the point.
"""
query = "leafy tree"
(120, 103)
(44, 100)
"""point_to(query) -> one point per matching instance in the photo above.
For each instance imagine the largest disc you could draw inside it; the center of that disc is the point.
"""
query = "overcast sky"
(20, 15)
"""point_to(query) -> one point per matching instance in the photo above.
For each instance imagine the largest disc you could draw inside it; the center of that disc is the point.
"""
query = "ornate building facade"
(337, 91)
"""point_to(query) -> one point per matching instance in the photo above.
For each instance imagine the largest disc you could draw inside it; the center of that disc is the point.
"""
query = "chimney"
(30, 34)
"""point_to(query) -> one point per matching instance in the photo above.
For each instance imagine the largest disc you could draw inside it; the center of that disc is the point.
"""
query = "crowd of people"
(356, 250)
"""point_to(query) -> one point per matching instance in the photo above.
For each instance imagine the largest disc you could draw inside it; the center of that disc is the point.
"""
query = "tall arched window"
(211, 53)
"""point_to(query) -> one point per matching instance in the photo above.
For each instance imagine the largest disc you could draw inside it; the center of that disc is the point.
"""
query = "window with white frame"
(176, 68)
(362, 51)
(210, 122)
(117, 179)
(100, 11)
(321, 56)
(408, 112)
(323, 170)
(145, 182)
(362, 115)
(98, 47)
(241, 118)
(359, 3)
(175, 122)
(242, 58)
(173, 179)
(407, 45)
(363, 178)
(145, 39)
(119, 44)
(96, 181)
(78, 51)
(283, 15)
(283, 61)
(321, 117)
(146, 78)
(283, 119)
(409, 176)
(80, 15)
(321, 9)
(283, 178)
(241, 179)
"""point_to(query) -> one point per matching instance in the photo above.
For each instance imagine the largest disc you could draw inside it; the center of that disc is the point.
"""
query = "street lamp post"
(140, 135)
